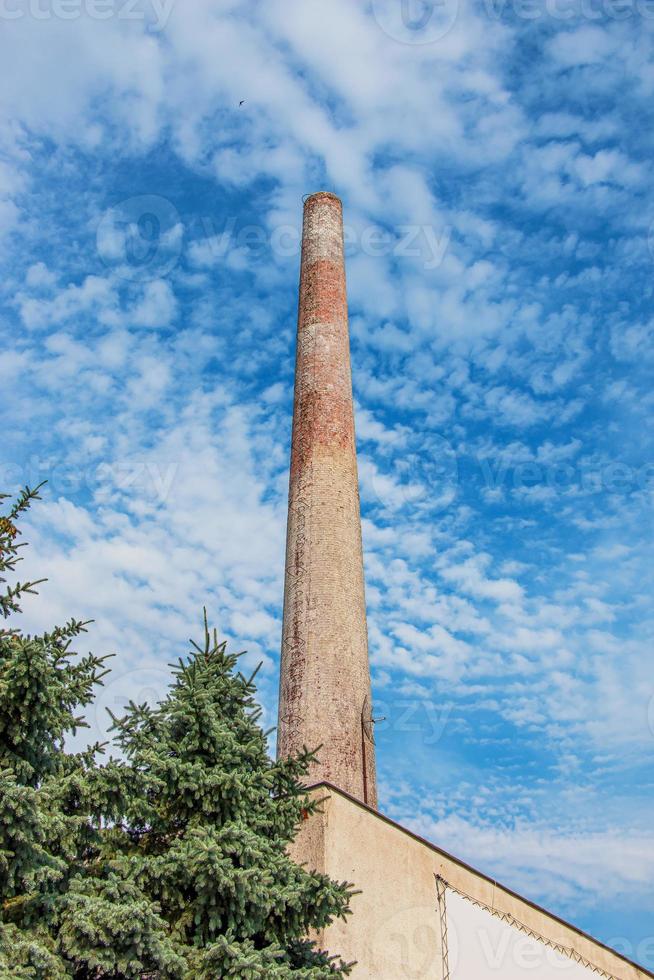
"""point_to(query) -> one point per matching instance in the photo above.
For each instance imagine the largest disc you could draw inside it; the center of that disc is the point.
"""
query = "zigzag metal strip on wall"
(442, 884)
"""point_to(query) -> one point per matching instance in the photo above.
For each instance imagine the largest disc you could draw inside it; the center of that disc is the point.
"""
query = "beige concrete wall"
(394, 932)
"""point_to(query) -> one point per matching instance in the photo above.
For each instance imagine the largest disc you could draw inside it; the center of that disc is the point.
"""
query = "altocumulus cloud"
(500, 258)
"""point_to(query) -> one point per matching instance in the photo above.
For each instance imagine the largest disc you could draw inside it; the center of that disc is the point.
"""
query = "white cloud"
(157, 306)
(167, 449)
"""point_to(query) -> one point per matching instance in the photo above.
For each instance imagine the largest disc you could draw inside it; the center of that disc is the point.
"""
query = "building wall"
(395, 931)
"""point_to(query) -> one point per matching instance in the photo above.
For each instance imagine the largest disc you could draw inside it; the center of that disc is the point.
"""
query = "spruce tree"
(207, 823)
(45, 830)
(169, 861)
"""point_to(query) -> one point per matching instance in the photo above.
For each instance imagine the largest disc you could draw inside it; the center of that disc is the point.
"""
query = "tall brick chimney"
(325, 678)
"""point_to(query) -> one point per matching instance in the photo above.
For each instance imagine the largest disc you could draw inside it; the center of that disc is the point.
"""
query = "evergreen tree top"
(167, 862)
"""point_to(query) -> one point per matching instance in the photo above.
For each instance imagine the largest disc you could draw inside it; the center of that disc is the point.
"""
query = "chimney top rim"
(322, 195)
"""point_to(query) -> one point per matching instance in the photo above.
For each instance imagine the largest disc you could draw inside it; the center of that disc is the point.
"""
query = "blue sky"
(494, 160)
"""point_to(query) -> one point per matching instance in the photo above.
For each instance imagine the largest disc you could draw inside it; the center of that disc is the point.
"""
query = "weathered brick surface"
(325, 678)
